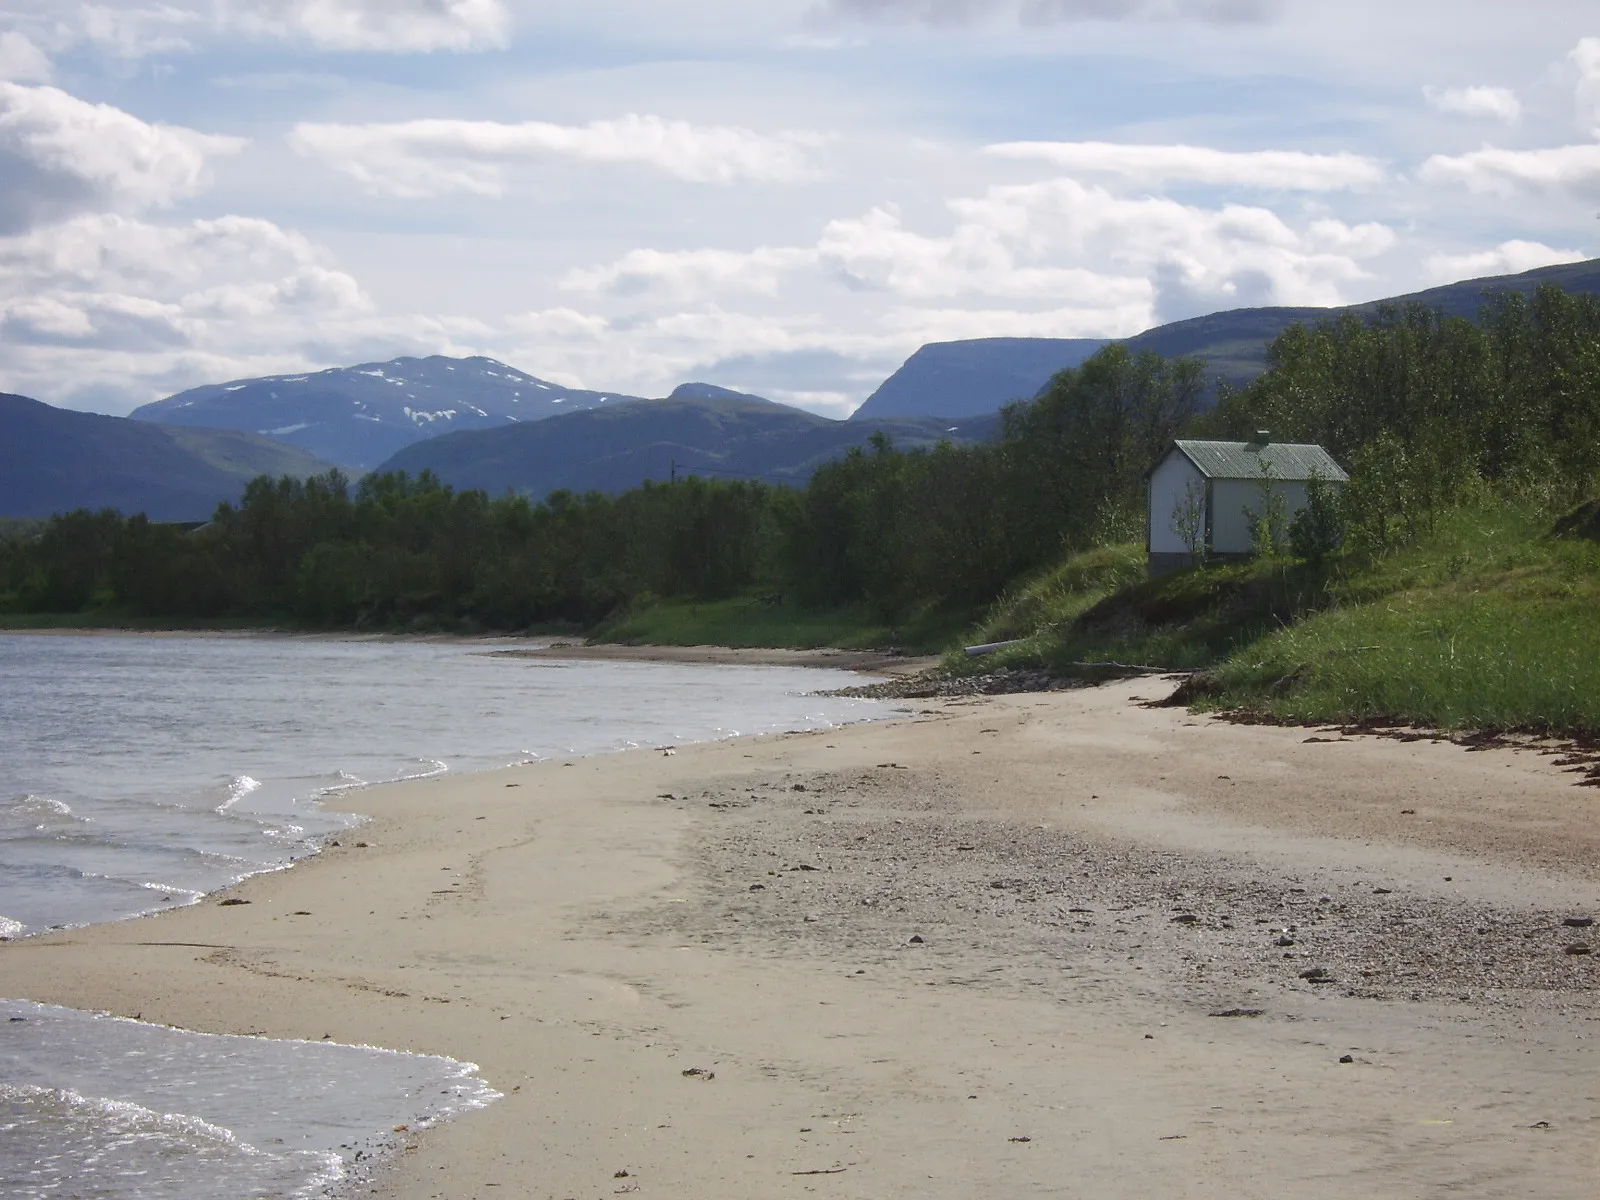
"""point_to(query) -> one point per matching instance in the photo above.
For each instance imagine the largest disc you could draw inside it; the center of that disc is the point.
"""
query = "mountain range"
(480, 423)
(964, 378)
(698, 430)
(359, 416)
(53, 459)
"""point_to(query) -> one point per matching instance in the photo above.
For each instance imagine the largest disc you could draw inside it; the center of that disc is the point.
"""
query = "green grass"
(1061, 595)
(1486, 622)
(750, 622)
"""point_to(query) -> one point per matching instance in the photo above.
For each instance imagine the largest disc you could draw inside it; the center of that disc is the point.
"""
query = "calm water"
(138, 774)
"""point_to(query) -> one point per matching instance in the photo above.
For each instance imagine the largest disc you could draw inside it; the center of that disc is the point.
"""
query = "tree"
(1189, 521)
(1318, 529)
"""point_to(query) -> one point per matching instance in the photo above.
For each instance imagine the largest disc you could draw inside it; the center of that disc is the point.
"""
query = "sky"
(786, 198)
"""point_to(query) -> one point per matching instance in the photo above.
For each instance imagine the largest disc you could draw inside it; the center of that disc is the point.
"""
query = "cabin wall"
(1169, 484)
(1237, 503)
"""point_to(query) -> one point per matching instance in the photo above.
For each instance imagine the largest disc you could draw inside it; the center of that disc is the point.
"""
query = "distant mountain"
(359, 416)
(941, 376)
(1233, 345)
(53, 460)
(959, 379)
(728, 435)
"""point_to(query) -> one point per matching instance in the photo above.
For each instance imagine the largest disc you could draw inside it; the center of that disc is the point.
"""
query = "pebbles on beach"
(1041, 907)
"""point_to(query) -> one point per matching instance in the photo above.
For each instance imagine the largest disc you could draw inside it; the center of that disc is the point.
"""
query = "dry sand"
(981, 953)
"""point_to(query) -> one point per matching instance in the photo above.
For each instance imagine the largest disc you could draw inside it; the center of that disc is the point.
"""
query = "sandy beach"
(1061, 944)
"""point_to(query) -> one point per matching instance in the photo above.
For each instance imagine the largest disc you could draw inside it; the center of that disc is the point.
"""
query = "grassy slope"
(1487, 622)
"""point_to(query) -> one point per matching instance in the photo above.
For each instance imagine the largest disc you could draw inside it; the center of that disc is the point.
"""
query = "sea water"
(140, 773)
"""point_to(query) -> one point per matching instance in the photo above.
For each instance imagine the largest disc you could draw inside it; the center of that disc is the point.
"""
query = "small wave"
(10, 929)
(239, 787)
(126, 1117)
(434, 767)
(346, 783)
(37, 814)
(168, 890)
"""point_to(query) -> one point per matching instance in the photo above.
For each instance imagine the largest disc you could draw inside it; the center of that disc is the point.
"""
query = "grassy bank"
(1489, 621)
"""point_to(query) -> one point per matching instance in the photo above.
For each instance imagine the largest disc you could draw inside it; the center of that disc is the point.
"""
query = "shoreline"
(938, 957)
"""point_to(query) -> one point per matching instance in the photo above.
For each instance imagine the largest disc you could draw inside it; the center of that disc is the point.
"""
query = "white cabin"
(1206, 496)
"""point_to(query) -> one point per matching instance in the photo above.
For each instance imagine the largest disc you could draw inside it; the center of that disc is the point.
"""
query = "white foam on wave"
(169, 890)
(37, 813)
(133, 1110)
(10, 929)
(127, 1117)
(130, 1152)
(347, 782)
(239, 787)
(433, 768)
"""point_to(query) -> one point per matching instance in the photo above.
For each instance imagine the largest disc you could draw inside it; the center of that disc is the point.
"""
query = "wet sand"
(1039, 944)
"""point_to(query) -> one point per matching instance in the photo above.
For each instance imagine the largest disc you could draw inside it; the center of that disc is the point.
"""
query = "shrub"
(1319, 528)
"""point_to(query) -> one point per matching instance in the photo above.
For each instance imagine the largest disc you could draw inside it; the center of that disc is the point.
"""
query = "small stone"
(916, 939)
(758, 887)
(1185, 919)
(1347, 1058)
(1285, 940)
(231, 902)
(1578, 922)
(1578, 948)
(1317, 975)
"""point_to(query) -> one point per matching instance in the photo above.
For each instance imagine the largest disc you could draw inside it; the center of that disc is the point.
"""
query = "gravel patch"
(890, 866)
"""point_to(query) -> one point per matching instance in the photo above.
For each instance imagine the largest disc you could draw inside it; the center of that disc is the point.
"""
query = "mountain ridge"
(622, 446)
(1231, 343)
(56, 459)
(357, 416)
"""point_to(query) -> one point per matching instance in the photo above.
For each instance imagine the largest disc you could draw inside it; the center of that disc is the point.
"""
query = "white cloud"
(1497, 102)
(558, 322)
(1508, 258)
(437, 157)
(1558, 168)
(122, 308)
(1286, 170)
(1053, 259)
(21, 61)
(90, 273)
(131, 32)
(138, 29)
(390, 26)
(687, 273)
(1044, 12)
(1367, 240)
(60, 155)
(1586, 57)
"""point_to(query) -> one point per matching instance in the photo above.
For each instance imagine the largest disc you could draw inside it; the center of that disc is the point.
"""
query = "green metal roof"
(1245, 460)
